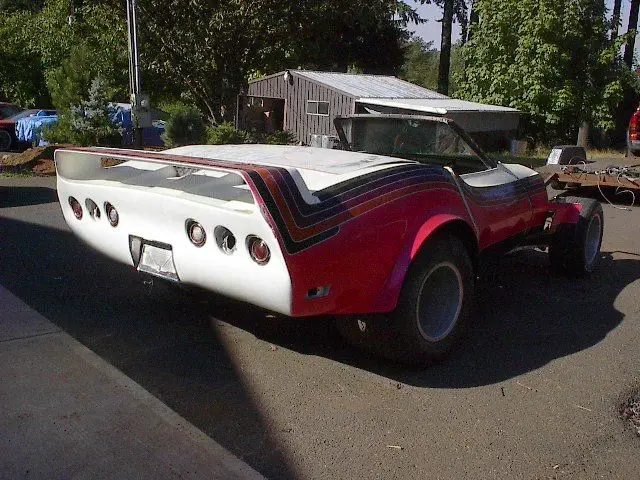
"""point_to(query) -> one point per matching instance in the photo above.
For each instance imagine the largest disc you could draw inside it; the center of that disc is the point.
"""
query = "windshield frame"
(484, 158)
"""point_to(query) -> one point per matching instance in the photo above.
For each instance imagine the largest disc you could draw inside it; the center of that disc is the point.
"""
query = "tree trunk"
(633, 25)
(583, 135)
(615, 19)
(474, 18)
(445, 48)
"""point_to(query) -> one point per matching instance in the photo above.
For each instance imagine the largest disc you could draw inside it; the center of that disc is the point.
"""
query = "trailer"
(625, 179)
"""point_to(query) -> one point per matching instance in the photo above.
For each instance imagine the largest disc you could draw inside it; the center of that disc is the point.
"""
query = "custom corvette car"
(387, 234)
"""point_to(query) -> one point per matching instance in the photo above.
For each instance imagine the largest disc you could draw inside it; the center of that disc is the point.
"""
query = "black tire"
(441, 272)
(5, 141)
(575, 249)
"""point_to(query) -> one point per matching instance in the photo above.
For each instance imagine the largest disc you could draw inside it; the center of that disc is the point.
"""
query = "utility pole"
(140, 111)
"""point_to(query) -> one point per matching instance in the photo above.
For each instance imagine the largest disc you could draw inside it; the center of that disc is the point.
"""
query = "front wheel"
(5, 140)
(575, 249)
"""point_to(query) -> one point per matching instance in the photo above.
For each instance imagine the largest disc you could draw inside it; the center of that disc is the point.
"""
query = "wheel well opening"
(461, 230)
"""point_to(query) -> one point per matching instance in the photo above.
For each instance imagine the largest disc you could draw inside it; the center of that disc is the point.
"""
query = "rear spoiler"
(281, 194)
(199, 177)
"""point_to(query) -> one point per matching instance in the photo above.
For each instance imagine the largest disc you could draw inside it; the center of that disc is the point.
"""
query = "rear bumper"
(158, 215)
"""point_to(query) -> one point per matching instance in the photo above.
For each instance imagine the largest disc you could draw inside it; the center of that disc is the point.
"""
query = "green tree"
(87, 123)
(209, 49)
(552, 59)
(421, 61)
(36, 38)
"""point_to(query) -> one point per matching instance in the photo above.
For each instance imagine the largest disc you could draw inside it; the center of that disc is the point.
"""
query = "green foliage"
(184, 127)
(281, 137)
(88, 123)
(209, 49)
(225, 134)
(69, 83)
(421, 61)
(552, 59)
(36, 38)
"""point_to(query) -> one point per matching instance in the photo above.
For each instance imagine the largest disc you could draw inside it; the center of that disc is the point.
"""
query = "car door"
(500, 203)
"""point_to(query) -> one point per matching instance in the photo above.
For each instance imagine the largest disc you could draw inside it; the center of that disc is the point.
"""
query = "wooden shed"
(307, 102)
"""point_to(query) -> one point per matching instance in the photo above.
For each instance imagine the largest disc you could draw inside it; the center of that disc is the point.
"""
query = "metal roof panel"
(371, 86)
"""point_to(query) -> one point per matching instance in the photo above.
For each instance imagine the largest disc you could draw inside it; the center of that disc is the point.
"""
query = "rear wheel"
(435, 301)
(575, 248)
(5, 140)
(433, 308)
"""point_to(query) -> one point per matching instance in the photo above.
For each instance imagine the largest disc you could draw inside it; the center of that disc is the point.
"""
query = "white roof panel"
(318, 167)
(372, 86)
(440, 106)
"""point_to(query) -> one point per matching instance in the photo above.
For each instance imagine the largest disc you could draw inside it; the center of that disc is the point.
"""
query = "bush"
(87, 124)
(283, 137)
(225, 134)
(184, 127)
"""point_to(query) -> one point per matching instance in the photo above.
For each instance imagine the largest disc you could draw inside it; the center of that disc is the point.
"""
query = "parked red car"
(7, 110)
(633, 134)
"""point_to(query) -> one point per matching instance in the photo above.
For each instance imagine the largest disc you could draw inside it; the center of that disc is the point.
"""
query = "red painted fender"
(389, 296)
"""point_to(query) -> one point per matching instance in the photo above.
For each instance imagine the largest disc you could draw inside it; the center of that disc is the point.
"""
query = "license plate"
(158, 261)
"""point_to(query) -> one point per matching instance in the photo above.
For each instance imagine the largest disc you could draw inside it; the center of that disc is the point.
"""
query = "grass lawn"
(538, 158)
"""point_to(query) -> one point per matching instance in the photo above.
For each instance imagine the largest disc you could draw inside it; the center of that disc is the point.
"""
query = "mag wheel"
(575, 249)
(5, 140)
(432, 311)
(435, 301)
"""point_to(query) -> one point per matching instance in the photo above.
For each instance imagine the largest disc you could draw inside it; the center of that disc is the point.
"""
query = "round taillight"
(92, 208)
(76, 207)
(225, 239)
(258, 250)
(112, 214)
(196, 233)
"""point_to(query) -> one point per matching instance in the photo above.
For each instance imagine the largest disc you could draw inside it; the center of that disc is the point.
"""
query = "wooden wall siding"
(296, 95)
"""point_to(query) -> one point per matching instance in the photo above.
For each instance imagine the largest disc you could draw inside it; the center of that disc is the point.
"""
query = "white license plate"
(158, 261)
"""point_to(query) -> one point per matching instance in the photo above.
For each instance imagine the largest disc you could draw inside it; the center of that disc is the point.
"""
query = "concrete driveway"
(533, 392)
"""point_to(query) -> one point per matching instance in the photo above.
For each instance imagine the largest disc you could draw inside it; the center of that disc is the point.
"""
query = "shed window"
(314, 107)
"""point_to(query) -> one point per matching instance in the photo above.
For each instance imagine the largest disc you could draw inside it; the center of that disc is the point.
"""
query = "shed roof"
(361, 85)
(375, 86)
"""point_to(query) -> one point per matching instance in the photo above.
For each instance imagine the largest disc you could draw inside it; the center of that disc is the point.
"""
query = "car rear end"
(633, 134)
(184, 222)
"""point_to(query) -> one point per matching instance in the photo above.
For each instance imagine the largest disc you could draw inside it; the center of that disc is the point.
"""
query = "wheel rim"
(5, 140)
(440, 302)
(592, 241)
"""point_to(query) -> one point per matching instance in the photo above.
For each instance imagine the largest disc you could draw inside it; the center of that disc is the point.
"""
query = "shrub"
(284, 137)
(225, 134)
(184, 127)
(87, 124)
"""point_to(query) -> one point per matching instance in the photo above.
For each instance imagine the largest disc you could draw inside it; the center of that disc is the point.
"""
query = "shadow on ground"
(163, 341)
(524, 318)
(23, 196)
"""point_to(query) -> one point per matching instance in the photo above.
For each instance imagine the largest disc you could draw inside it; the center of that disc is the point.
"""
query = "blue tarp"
(29, 129)
(151, 135)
